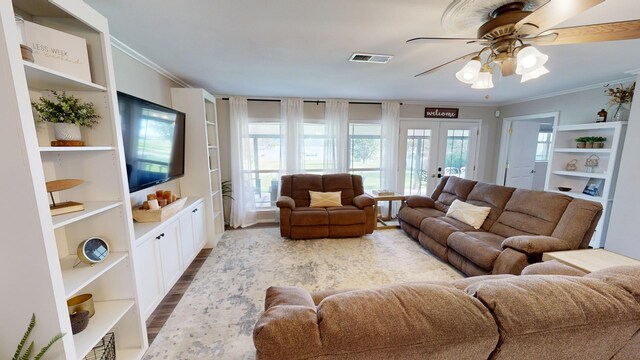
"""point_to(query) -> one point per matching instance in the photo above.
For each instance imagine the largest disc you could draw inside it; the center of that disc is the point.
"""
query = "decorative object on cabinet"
(620, 100)
(92, 251)
(82, 302)
(58, 50)
(160, 214)
(592, 162)
(105, 349)
(67, 114)
(564, 188)
(602, 116)
(79, 321)
(594, 187)
(581, 142)
(572, 166)
(29, 350)
(598, 142)
(67, 206)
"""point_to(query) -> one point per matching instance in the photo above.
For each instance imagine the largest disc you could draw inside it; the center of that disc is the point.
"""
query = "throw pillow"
(468, 214)
(325, 199)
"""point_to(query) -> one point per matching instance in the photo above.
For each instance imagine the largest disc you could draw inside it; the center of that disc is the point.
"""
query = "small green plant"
(581, 139)
(67, 109)
(19, 355)
(590, 139)
(599, 139)
(227, 192)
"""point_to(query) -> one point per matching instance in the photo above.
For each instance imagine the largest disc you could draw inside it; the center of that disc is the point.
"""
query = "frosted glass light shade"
(534, 74)
(484, 81)
(469, 73)
(530, 59)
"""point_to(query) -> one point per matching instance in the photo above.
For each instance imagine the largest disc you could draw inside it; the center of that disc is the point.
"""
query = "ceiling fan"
(512, 29)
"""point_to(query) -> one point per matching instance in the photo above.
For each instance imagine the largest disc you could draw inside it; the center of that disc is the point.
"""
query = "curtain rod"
(316, 102)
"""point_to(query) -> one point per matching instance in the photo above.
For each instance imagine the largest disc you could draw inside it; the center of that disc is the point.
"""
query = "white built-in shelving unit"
(38, 276)
(565, 150)
(202, 167)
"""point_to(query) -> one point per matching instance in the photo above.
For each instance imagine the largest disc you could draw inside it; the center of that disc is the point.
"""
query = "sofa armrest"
(362, 201)
(552, 267)
(287, 295)
(535, 244)
(415, 201)
(286, 202)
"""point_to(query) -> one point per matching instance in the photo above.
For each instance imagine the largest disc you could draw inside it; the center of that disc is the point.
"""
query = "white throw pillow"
(325, 199)
(468, 214)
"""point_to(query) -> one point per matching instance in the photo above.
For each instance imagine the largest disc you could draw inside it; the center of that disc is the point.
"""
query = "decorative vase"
(580, 144)
(621, 112)
(589, 145)
(67, 132)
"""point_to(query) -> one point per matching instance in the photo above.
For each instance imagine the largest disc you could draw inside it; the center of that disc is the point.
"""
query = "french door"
(429, 150)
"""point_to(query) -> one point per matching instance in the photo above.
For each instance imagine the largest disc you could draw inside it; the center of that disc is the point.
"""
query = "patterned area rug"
(215, 318)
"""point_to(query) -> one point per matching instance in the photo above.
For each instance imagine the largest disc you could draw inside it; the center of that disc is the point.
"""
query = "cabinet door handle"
(160, 236)
(194, 210)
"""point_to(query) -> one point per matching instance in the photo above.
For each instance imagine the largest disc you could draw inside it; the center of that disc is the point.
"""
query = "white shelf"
(90, 208)
(210, 147)
(129, 354)
(576, 150)
(75, 148)
(581, 174)
(592, 126)
(42, 78)
(77, 278)
(210, 123)
(214, 170)
(214, 193)
(107, 315)
(579, 195)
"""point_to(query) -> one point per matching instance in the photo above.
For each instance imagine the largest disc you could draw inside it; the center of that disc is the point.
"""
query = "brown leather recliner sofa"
(299, 221)
(521, 226)
(596, 316)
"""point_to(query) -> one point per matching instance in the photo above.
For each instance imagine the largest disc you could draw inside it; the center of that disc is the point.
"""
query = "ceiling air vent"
(370, 58)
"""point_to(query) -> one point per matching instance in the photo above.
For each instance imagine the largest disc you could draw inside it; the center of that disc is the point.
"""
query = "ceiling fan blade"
(432, 40)
(447, 63)
(624, 30)
(552, 13)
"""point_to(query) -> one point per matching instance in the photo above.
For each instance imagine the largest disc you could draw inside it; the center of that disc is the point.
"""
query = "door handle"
(533, 171)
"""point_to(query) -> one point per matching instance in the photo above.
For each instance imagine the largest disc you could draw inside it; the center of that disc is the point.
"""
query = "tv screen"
(153, 137)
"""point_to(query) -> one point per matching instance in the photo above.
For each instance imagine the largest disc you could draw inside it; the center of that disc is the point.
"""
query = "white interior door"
(429, 150)
(521, 154)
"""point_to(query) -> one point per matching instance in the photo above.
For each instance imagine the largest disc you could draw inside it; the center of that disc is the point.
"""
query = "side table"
(385, 221)
(589, 260)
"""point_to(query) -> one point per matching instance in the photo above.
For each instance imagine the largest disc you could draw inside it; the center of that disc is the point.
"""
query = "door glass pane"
(457, 153)
(417, 165)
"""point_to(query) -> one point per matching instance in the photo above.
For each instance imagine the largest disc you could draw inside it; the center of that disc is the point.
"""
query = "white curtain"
(243, 206)
(336, 136)
(291, 136)
(390, 128)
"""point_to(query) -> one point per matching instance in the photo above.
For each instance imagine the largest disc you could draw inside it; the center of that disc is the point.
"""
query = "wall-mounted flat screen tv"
(154, 138)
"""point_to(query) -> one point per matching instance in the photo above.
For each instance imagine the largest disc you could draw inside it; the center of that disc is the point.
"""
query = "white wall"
(623, 235)
(135, 78)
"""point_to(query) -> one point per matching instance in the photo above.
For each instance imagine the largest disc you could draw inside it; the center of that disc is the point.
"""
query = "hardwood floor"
(159, 317)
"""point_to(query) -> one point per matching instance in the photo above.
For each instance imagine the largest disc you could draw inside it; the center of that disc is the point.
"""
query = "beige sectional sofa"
(596, 316)
(521, 225)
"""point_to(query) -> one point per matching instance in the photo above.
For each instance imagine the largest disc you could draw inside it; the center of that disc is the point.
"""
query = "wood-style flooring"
(159, 317)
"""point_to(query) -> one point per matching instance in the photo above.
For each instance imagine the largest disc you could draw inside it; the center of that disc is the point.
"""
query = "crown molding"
(633, 72)
(146, 62)
(570, 91)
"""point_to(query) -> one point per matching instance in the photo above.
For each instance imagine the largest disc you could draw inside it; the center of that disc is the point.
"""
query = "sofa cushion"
(346, 215)
(573, 317)
(481, 248)
(307, 216)
(468, 213)
(440, 228)
(349, 186)
(455, 188)
(414, 216)
(297, 187)
(531, 212)
(493, 196)
(578, 222)
(324, 199)
(442, 320)
(624, 277)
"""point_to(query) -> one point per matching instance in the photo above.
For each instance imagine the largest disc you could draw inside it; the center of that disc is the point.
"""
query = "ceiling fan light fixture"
(534, 74)
(469, 73)
(485, 78)
(529, 59)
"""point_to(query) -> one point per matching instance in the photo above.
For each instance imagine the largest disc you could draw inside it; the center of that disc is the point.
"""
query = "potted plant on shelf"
(598, 142)
(620, 100)
(589, 140)
(581, 142)
(67, 113)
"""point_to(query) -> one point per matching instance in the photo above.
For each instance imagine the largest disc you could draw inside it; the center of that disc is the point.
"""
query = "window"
(314, 147)
(365, 153)
(265, 149)
(544, 146)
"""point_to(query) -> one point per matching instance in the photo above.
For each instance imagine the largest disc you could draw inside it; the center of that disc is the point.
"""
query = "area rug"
(215, 318)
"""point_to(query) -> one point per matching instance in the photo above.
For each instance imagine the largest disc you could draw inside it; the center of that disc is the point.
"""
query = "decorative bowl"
(562, 188)
(82, 302)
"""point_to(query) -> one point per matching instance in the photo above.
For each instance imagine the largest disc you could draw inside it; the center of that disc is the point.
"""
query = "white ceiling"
(299, 48)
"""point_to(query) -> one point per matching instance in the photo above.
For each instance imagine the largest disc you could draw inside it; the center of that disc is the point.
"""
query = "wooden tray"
(159, 215)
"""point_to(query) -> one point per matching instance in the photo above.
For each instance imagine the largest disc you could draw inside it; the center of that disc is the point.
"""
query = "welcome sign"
(58, 50)
(441, 113)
